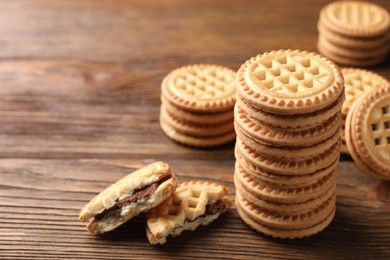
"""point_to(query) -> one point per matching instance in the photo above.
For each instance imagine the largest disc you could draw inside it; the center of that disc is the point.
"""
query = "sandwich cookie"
(135, 193)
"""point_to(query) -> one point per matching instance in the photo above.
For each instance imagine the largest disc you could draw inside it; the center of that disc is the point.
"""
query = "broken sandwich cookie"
(135, 193)
(193, 204)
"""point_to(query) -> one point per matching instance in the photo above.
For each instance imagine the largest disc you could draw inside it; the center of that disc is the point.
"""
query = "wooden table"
(79, 106)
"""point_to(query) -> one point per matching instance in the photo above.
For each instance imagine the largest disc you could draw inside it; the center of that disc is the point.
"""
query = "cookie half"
(193, 204)
(135, 193)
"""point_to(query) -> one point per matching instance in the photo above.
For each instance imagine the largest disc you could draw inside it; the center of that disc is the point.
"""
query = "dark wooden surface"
(79, 104)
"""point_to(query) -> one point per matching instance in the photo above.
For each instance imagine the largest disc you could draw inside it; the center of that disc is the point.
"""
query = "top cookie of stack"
(354, 33)
(197, 105)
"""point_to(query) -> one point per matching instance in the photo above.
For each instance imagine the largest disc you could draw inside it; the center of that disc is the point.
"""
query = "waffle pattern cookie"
(367, 131)
(137, 192)
(197, 105)
(357, 83)
(288, 122)
(354, 33)
(193, 204)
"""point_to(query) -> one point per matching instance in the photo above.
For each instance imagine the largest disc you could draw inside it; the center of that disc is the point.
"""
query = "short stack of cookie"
(287, 119)
(354, 33)
(357, 83)
(197, 105)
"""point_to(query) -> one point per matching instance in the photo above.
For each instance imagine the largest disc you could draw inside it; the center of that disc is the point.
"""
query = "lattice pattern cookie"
(201, 88)
(192, 204)
(290, 82)
(368, 132)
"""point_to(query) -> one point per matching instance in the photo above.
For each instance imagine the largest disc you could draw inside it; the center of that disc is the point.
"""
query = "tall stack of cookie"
(287, 119)
(357, 83)
(197, 105)
(354, 33)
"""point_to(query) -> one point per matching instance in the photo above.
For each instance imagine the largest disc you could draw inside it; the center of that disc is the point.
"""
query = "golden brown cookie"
(196, 130)
(280, 179)
(368, 132)
(286, 136)
(288, 152)
(135, 193)
(356, 18)
(193, 204)
(288, 167)
(172, 133)
(290, 121)
(197, 118)
(255, 218)
(200, 88)
(289, 82)
(294, 194)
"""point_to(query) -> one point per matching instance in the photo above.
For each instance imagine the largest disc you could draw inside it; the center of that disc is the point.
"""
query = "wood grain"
(79, 104)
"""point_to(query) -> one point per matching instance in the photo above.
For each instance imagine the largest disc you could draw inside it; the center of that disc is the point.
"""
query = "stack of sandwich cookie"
(357, 83)
(354, 33)
(367, 131)
(287, 118)
(197, 105)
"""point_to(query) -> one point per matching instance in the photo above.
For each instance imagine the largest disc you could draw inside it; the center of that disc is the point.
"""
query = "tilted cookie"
(193, 204)
(368, 132)
(135, 193)
(289, 82)
(359, 82)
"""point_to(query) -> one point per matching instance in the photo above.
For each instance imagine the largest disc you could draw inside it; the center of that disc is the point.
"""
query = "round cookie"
(280, 179)
(350, 145)
(197, 118)
(291, 121)
(292, 221)
(285, 194)
(288, 167)
(349, 61)
(289, 82)
(353, 42)
(371, 131)
(286, 136)
(196, 130)
(288, 152)
(352, 53)
(356, 18)
(282, 207)
(359, 82)
(195, 141)
(248, 213)
(200, 88)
